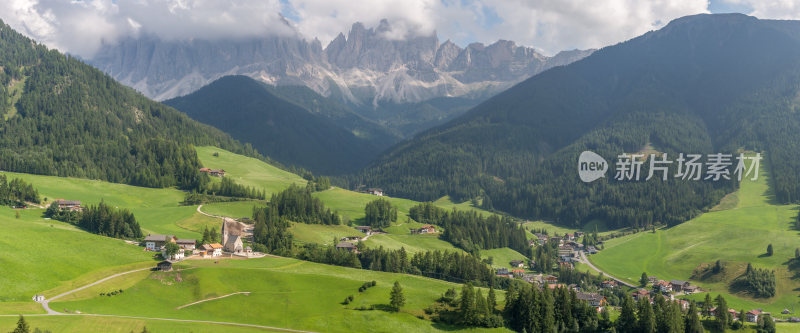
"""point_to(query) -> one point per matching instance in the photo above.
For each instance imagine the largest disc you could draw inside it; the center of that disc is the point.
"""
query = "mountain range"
(702, 84)
(364, 68)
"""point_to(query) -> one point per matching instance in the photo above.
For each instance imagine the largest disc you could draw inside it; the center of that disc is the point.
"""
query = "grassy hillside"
(81, 324)
(502, 257)
(41, 254)
(248, 171)
(283, 292)
(736, 236)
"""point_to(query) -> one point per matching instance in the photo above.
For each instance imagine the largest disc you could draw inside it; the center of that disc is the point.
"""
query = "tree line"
(17, 191)
(472, 231)
(101, 219)
(380, 213)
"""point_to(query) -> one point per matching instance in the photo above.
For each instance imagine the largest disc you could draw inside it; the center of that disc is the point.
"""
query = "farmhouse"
(502, 271)
(71, 205)
(164, 266)
(541, 237)
(212, 250)
(375, 191)
(550, 279)
(518, 272)
(426, 229)
(155, 242)
(177, 256)
(533, 242)
(186, 244)
(569, 237)
(365, 229)
(663, 286)
(594, 299)
(688, 290)
(678, 285)
(641, 294)
(346, 245)
(752, 315)
(517, 263)
(608, 284)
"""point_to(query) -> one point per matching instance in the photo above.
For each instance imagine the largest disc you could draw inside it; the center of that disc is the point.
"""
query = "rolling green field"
(40, 254)
(156, 210)
(737, 235)
(502, 257)
(283, 292)
(321, 234)
(412, 243)
(82, 324)
(248, 171)
(234, 209)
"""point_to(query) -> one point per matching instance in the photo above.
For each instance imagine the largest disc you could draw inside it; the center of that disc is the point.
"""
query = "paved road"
(585, 260)
(51, 312)
(46, 302)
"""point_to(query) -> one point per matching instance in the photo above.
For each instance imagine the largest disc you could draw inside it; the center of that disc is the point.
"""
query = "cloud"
(770, 9)
(82, 26)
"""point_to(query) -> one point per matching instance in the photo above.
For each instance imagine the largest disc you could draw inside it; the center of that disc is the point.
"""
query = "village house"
(569, 237)
(213, 172)
(678, 285)
(425, 229)
(565, 265)
(164, 266)
(517, 263)
(532, 278)
(557, 239)
(186, 244)
(752, 315)
(541, 237)
(594, 299)
(663, 286)
(155, 242)
(591, 249)
(578, 234)
(375, 191)
(533, 242)
(177, 256)
(684, 304)
(502, 271)
(518, 272)
(556, 286)
(641, 294)
(212, 250)
(350, 239)
(550, 279)
(608, 284)
(71, 205)
(652, 279)
(365, 229)
(346, 245)
(688, 290)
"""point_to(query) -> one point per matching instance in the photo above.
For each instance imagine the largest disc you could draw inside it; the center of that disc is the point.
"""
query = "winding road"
(51, 312)
(586, 261)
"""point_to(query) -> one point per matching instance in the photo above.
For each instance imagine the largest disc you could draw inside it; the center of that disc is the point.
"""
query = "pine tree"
(769, 250)
(22, 326)
(693, 324)
(627, 318)
(707, 306)
(721, 314)
(647, 320)
(397, 300)
(797, 253)
(644, 279)
(491, 300)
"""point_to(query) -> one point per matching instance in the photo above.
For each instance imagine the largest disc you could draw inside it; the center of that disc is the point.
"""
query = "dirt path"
(209, 215)
(212, 298)
(586, 261)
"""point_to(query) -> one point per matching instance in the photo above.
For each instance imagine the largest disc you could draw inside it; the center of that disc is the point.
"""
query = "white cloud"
(771, 9)
(81, 26)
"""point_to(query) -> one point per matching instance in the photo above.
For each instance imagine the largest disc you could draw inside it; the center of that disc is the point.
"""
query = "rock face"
(367, 66)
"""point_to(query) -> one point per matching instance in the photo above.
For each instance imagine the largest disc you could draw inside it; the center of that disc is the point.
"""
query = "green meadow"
(737, 235)
(411, 243)
(284, 292)
(87, 323)
(248, 171)
(501, 258)
(40, 255)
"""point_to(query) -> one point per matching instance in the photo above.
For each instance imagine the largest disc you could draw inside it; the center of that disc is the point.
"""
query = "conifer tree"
(693, 323)
(721, 314)
(397, 299)
(647, 320)
(22, 326)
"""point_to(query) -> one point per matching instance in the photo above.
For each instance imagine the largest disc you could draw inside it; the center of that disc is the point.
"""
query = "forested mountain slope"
(65, 118)
(285, 131)
(702, 84)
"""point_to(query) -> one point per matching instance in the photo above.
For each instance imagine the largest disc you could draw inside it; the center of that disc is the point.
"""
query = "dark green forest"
(73, 120)
(703, 84)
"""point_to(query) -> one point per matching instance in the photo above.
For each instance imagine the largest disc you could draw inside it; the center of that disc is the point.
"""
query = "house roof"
(590, 297)
(517, 262)
(207, 247)
(364, 227)
(678, 282)
(754, 312)
(215, 245)
(518, 270)
(345, 245)
(68, 202)
(185, 241)
(157, 238)
(427, 226)
(205, 169)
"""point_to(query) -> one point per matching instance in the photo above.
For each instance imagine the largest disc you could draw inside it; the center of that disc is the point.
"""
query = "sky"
(81, 27)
